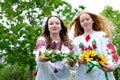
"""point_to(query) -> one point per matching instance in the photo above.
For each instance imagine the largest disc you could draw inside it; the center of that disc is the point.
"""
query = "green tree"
(18, 43)
(114, 16)
(13, 72)
(21, 24)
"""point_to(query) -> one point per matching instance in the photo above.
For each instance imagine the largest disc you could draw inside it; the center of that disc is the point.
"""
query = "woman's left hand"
(71, 63)
(107, 67)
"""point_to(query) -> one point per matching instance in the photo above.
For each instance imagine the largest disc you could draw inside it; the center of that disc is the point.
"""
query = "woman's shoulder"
(100, 32)
(100, 35)
(41, 38)
(78, 37)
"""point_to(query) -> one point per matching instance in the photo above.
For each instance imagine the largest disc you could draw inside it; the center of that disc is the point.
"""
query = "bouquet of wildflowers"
(55, 55)
(72, 56)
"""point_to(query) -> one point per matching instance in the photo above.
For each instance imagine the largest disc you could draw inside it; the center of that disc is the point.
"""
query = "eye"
(87, 19)
(81, 20)
(57, 23)
(50, 23)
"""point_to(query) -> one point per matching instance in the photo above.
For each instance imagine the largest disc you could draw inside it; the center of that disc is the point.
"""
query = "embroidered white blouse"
(46, 69)
(101, 44)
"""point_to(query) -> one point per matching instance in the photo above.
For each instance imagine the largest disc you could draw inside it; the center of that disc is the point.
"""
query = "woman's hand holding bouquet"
(53, 55)
(71, 58)
(43, 58)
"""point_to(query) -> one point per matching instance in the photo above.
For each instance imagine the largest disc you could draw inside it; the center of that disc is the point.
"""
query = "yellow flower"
(90, 55)
(83, 56)
(101, 59)
(87, 55)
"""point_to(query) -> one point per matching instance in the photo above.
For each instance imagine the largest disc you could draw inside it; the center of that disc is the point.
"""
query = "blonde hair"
(100, 24)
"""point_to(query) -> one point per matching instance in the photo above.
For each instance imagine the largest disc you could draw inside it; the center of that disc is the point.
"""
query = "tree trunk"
(30, 72)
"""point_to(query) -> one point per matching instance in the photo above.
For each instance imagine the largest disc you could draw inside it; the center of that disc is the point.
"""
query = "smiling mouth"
(54, 29)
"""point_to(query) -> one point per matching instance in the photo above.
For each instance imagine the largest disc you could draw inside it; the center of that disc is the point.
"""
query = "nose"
(54, 25)
(85, 21)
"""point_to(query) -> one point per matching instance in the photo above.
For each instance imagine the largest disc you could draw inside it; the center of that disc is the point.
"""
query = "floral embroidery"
(81, 46)
(87, 38)
(53, 45)
(70, 47)
(113, 52)
(89, 48)
(106, 36)
(39, 44)
(94, 44)
(115, 57)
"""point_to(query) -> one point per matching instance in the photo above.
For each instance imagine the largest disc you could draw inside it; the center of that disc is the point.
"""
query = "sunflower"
(101, 59)
(83, 56)
(90, 55)
(87, 55)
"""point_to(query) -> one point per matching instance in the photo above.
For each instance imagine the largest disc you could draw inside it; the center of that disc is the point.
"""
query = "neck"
(88, 32)
(55, 37)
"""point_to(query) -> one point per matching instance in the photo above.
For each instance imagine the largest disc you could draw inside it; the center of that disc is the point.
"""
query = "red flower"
(87, 38)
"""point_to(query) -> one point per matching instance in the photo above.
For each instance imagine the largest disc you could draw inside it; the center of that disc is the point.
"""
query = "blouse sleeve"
(110, 50)
(40, 47)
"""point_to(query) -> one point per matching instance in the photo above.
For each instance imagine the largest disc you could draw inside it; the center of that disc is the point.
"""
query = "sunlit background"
(95, 6)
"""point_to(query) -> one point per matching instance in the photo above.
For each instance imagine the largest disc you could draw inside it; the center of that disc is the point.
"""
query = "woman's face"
(54, 25)
(86, 21)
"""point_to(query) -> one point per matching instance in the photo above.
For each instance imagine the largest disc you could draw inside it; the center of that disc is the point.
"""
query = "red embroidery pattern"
(113, 52)
(81, 46)
(89, 48)
(39, 44)
(87, 38)
(70, 47)
(53, 45)
(94, 44)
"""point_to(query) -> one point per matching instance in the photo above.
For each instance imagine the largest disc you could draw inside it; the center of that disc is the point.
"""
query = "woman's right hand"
(43, 58)
(82, 62)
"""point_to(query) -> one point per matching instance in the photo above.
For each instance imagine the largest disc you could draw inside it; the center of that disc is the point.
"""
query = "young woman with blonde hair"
(93, 32)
